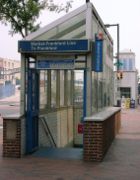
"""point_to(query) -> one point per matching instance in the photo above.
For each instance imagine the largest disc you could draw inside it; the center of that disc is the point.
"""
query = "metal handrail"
(47, 130)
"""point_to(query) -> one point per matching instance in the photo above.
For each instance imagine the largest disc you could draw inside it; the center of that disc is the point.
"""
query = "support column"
(58, 88)
(49, 89)
(88, 73)
(89, 23)
(72, 88)
(23, 85)
(66, 87)
(88, 87)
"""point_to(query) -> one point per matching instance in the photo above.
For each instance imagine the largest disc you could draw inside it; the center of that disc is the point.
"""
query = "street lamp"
(118, 42)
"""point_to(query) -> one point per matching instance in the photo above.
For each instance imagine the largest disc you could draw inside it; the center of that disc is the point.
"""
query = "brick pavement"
(122, 162)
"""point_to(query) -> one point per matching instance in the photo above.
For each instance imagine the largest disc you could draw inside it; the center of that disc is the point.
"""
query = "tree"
(23, 14)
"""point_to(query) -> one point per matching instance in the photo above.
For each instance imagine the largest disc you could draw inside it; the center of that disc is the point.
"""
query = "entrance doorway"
(61, 108)
(55, 102)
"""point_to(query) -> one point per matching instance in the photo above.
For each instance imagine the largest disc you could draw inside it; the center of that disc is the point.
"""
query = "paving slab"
(122, 161)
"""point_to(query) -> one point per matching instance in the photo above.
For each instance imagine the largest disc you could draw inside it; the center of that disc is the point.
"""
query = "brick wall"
(11, 138)
(98, 136)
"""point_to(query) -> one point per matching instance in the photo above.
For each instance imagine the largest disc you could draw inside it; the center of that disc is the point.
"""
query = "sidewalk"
(122, 162)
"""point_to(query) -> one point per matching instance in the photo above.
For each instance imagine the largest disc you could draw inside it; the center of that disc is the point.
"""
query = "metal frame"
(32, 114)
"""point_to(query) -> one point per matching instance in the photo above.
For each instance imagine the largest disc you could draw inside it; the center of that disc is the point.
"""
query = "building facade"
(139, 85)
(127, 76)
(9, 71)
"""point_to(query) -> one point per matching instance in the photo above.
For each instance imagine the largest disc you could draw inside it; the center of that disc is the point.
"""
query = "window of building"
(130, 64)
(8, 65)
(125, 91)
(122, 67)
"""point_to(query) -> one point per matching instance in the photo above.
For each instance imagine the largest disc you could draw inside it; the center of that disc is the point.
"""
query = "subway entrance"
(55, 102)
(66, 81)
(55, 95)
(60, 108)
(60, 113)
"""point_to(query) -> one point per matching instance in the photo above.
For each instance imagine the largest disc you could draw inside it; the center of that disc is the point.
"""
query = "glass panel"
(43, 89)
(102, 89)
(33, 91)
(78, 87)
(69, 88)
(74, 21)
(62, 88)
(72, 27)
(53, 88)
(94, 93)
(48, 34)
(100, 94)
(67, 27)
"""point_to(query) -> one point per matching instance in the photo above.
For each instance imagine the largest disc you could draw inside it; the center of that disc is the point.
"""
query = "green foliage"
(52, 6)
(23, 14)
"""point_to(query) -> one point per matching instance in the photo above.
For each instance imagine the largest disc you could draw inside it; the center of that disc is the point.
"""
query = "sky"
(124, 12)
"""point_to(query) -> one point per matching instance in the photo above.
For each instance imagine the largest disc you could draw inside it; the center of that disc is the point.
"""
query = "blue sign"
(55, 64)
(97, 61)
(53, 46)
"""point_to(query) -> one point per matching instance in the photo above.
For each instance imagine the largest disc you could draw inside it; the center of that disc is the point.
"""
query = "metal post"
(118, 41)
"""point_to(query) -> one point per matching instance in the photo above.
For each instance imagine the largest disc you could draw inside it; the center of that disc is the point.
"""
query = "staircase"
(47, 131)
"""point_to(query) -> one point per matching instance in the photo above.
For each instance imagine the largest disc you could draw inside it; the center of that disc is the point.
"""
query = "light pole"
(118, 41)
(117, 57)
